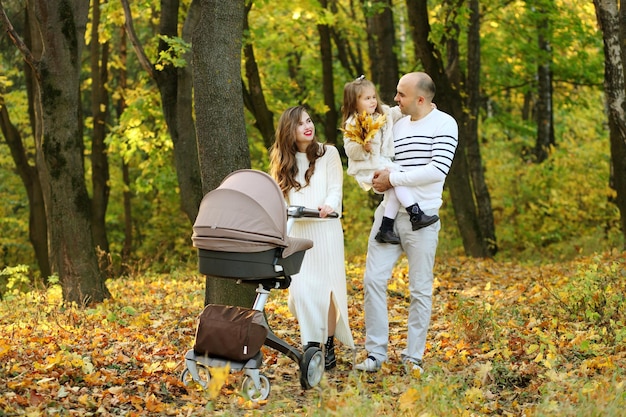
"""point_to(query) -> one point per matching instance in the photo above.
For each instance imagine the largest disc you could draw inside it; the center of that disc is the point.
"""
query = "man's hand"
(380, 182)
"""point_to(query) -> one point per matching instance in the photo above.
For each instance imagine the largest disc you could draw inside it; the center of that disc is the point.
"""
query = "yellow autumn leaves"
(505, 339)
(364, 127)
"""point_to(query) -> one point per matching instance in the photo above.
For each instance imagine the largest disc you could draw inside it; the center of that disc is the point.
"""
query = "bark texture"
(221, 130)
(61, 27)
(613, 25)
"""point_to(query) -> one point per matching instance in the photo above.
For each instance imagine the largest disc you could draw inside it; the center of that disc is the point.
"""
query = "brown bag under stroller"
(230, 332)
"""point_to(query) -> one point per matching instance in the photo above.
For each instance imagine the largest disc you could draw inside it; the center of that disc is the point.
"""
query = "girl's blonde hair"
(351, 93)
(283, 164)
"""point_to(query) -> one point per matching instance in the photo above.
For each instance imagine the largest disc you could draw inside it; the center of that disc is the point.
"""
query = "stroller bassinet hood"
(246, 213)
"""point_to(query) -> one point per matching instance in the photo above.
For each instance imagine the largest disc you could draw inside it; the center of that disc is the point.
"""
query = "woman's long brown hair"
(283, 164)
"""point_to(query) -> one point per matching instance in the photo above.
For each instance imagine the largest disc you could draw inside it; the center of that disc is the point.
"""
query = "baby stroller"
(241, 234)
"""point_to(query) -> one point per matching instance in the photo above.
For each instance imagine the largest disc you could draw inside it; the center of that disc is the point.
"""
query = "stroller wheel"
(251, 390)
(311, 367)
(203, 375)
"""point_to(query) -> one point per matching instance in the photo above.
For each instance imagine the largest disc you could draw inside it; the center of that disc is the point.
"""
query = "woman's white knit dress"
(322, 275)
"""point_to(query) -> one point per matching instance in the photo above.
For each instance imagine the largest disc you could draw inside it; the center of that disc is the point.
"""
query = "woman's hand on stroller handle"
(301, 211)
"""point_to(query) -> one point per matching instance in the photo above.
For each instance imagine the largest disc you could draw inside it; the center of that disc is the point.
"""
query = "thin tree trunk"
(37, 222)
(528, 106)
(332, 115)
(545, 117)
(253, 96)
(127, 246)
(449, 99)
(37, 226)
(477, 171)
(612, 26)
(381, 45)
(185, 149)
(99, 159)
(349, 55)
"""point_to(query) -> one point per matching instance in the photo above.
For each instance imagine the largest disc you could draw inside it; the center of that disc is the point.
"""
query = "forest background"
(549, 190)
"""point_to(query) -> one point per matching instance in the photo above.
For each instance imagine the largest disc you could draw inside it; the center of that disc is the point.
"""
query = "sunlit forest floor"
(505, 339)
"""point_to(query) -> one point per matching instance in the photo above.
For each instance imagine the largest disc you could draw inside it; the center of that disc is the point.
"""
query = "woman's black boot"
(330, 361)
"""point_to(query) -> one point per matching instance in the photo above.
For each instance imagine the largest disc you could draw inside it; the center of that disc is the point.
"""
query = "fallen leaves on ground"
(504, 340)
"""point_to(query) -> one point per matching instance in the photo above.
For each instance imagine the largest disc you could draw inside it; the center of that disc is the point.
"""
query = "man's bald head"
(422, 84)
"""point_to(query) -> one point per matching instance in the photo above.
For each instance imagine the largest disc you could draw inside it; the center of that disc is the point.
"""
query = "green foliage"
(475, 321)
(358, 214)
(563, 206)
(14, 280)
(595, 296)
(554, 210)
(510, 54)
(372, 8)
(286, 42)
(14, 245)
(259, 155)
(177, 47)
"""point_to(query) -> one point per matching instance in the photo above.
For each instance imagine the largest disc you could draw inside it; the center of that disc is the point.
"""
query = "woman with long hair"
(310, 174)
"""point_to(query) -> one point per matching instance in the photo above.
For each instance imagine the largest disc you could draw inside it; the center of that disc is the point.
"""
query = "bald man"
(425, 141)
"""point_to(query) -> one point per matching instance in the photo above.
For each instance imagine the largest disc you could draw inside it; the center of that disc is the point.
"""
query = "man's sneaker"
(413, 367)
(371, 364)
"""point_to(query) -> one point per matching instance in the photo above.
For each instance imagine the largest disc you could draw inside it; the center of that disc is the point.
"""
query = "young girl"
(360, 98)
(310, 174)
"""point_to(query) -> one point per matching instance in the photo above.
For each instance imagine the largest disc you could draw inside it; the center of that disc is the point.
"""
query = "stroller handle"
(300, 211)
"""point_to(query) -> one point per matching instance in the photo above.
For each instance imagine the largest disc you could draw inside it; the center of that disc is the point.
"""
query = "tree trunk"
(253, 96)
(99, 159)
(528, 106)
(474, 159)
(381, 45)
(120, 105)
(58, 132)
(178, 120)
(349, 55)
(186, 146)
(222, 140)
(332, 115)
(612, 27)
(545, 116)
(37, 222)
(449, 100)
(37, 226)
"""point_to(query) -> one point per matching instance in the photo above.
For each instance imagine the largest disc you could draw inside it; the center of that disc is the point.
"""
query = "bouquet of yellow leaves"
(364, 127)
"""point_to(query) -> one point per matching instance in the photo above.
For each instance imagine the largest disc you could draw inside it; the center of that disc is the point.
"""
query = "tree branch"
(17, 41)
(130, 29)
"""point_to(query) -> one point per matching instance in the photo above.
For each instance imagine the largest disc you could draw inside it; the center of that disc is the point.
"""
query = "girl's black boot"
(419, 219)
